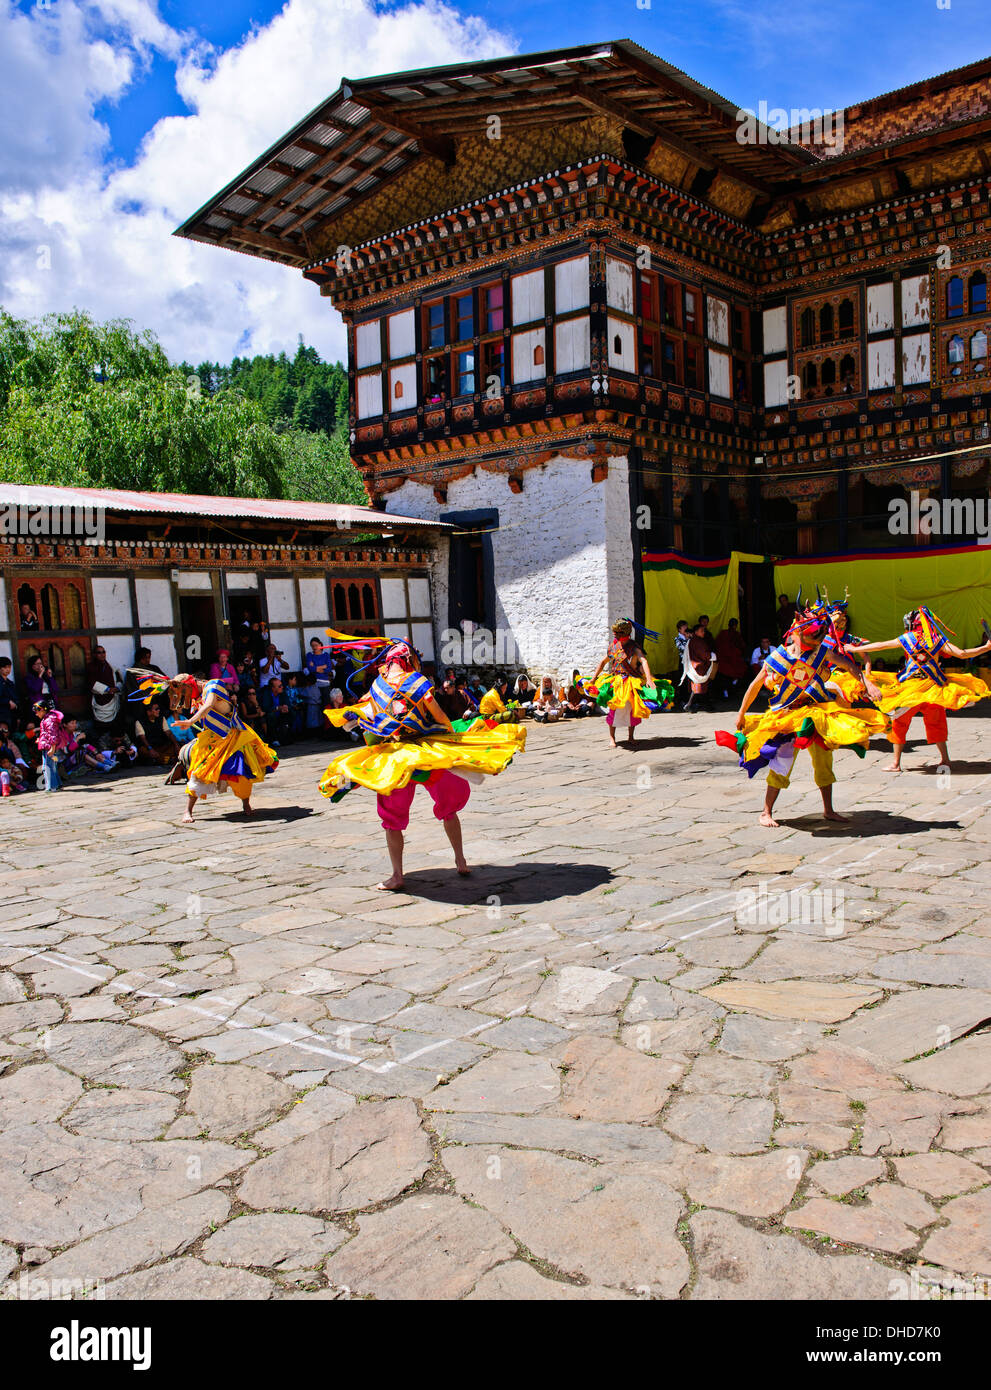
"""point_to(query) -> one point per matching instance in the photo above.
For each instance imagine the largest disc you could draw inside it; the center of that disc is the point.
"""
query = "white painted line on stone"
(443, 1042)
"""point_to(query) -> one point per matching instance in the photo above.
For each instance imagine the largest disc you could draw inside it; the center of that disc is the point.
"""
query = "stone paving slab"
(229, 1068)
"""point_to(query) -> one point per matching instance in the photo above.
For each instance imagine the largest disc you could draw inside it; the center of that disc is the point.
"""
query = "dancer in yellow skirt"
(226, 754)
(922, 686)
(802, 713)
(409, 739)
(628, 684)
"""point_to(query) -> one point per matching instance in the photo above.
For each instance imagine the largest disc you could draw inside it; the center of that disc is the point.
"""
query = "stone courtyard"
(648, 1050)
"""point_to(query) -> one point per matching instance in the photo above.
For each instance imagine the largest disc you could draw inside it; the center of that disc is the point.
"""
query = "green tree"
(100, 405)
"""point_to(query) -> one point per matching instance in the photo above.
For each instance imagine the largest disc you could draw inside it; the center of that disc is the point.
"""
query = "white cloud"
(106, 231)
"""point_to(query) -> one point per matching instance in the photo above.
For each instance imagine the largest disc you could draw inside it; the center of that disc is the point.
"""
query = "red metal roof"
(192, 504)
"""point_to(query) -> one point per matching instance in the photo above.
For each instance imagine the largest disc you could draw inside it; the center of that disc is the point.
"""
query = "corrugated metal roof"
(192, 504)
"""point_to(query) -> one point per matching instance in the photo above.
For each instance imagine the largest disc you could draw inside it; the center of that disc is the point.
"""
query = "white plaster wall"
(154, 603)
(563, 557)
(120, 651)
(111, 601)
(163, 651)
(4, 618)
(313, 598)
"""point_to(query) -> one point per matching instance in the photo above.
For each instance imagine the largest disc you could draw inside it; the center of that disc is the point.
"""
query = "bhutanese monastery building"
(634, 345)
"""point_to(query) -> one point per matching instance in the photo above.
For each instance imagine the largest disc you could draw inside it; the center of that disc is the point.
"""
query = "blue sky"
(118, 118)
(827, 54)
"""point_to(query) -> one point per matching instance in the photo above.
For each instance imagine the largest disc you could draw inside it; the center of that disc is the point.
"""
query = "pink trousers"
(449, 793)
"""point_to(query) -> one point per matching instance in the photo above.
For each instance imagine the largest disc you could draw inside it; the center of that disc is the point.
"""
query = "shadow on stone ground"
(515, 883)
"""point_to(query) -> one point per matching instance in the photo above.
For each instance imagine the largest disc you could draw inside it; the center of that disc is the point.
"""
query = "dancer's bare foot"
(940, 767)
(834, 815)
(892, 767)
(630, 741)
(246, 808)
(767, 819)
(187, 818)
(391, 884)
(612, 742)
(462, 867)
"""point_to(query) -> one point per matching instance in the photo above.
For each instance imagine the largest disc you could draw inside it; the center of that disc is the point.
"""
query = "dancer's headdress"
(623, 627)
(814, 621)
(384, 652)
(926, 625)
(181, 690)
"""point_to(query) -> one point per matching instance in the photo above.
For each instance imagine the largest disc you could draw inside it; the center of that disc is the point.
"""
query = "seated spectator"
(294, 696)
(246, 673)
(77, 754)
(453, 700)
(731, 654)
(40, 683)
(223, 671)
(492, 705)
(350, 728)
(10, 750)
(475, 690)
(121, 749)
(155, 744)
(9, 703)
(278, 716)
(523, 694)
(312, 702)
(133, 677)
(29, 618)
(575, 702)
(12, 778)
(251, 711)
(26, 741)
(760, 654)
(547, 707)
(181, 736)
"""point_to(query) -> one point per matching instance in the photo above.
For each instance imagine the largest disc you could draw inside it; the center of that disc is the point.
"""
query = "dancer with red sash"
(803, 713)
(923, 686)
(409, 739)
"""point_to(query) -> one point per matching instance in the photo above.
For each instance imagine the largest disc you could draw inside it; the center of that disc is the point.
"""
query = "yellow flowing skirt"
(386, 767)
(959, 691)
(236, 760)
(626, 691)
(837, 726)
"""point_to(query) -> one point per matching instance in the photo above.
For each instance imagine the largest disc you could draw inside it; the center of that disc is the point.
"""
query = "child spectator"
(294, 699)
(681, 639)
(11, 776)
(547, 707)
(76, 753)
(50, 742)
(574, 699)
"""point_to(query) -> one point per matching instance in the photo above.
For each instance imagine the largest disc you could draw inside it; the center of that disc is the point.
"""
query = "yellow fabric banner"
(954, 584)
(676, 587)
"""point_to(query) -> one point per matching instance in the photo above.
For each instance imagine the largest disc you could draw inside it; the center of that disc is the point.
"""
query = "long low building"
(180, 573)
